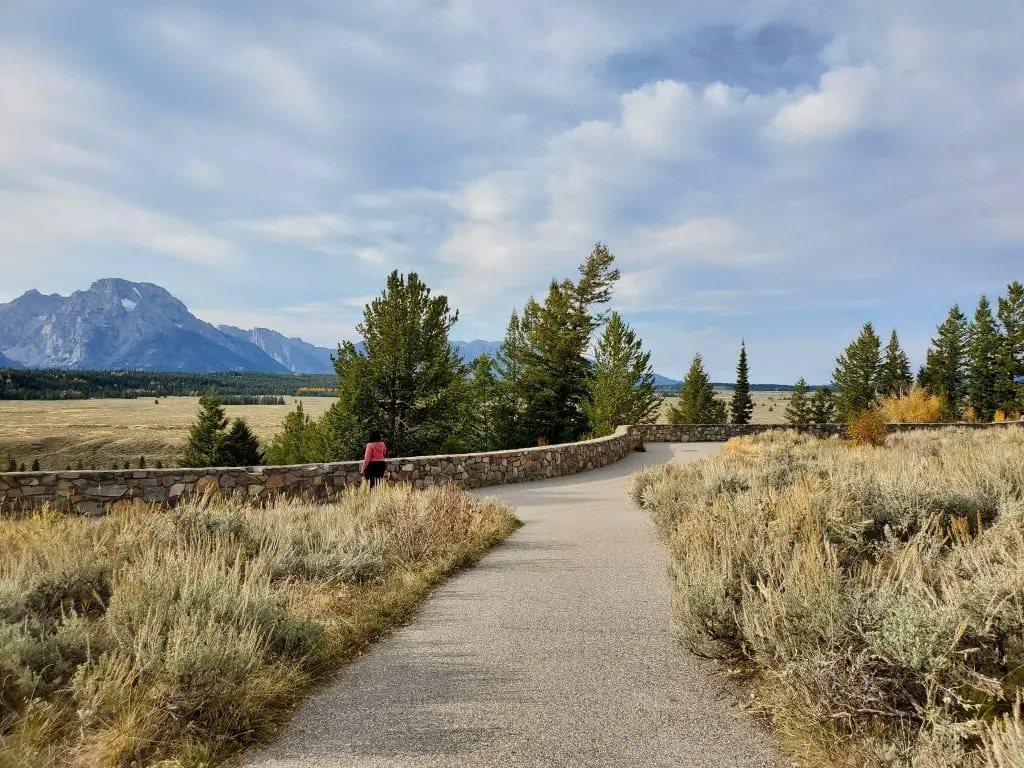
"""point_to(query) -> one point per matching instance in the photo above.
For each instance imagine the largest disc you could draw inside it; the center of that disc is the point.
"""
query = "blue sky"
(779, 171)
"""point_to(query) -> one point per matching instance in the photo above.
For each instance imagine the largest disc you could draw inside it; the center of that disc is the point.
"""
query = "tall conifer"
(855, 380)
(409, 383)
(895, 377)
(946, 366)
(742, 406)
(983, 366)
(623, 390)
(697, 402)
(1010, 395)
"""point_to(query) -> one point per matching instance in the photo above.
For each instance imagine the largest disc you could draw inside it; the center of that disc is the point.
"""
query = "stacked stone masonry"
(91, 492)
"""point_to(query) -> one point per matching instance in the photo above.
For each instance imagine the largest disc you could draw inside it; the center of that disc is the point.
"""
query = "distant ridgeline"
(19, 384)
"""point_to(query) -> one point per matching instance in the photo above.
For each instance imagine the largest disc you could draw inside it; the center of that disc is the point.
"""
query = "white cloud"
(841, 105)
(57, 215)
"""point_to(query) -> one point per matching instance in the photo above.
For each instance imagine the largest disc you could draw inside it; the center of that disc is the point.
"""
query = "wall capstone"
(91, 492)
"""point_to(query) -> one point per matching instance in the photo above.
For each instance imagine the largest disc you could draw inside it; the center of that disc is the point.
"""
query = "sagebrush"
(877, 593)
(184, 635)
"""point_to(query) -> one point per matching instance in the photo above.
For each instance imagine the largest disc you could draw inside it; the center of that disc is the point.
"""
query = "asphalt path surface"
(555, 651)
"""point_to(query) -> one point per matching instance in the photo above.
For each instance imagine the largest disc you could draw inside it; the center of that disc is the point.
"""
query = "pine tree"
(855, 380)
(202, 449)
(142, 462)
(510, 405)
(946, 366)
(895, 377)
(22, 467)
(292, 445)
(697, 402)
(240, 448)
(409, 382)
(12, 465)
(623, 390)
(35, 465)
(983, 368)
(557, 376)
(799, 409)
(1010, 394)
(823, 406)
(742, 405)
(476, 431)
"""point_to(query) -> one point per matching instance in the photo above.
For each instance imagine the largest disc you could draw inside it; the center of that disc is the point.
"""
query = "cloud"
(55, 214)
(839, 106)
(780, 171)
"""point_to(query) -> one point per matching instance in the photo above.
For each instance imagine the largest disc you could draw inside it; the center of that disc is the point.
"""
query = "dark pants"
(375, 472)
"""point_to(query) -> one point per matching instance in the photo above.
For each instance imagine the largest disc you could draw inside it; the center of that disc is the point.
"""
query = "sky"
(778, 171)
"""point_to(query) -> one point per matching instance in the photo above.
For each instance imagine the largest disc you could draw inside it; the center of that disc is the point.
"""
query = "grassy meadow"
(769, 407)
(874, 595)
(101, 433)
(178, 638)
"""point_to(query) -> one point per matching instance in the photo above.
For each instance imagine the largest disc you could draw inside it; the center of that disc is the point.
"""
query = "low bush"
(867, 428)
(878, 596)
(183, 636)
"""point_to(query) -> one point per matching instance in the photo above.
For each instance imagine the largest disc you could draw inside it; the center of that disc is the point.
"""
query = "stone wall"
(89, 493)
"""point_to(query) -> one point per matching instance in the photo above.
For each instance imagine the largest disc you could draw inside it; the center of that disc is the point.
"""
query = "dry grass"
(100, 433)
(769, 407)
(178, 638)
(877, 593)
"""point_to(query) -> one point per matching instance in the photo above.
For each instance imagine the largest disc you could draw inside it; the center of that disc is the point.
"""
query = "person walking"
(374, 467)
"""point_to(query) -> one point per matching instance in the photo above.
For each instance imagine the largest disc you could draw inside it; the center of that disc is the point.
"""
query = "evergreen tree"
(476, 431)
(1010, 395)
(240, 448)
(823, 406)
(855, 380)
(983, 368)
(12, 465)
(557, 376)
(202, 449)
(799, 409)
(742, 405)
(895, 377)
(22, 467)
(78, 466)
(946, 366)
(697, 402)
(294, 443)
(35, 465)
(510, 405)
(623, 391)
(409, 382)
(142, 462)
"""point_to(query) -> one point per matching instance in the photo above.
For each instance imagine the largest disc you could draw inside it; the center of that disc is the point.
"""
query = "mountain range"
(117, 324)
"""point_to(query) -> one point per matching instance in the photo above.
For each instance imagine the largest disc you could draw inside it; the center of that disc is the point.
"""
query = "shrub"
(867, 428)
(914, 407)
(878, 596)
(178, 637)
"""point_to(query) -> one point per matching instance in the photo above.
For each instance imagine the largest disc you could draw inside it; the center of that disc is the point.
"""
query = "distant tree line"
(20, 384)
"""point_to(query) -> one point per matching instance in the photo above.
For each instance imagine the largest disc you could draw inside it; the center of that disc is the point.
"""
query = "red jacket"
(374, 452)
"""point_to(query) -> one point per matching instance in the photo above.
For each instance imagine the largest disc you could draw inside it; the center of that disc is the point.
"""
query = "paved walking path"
(554, 651)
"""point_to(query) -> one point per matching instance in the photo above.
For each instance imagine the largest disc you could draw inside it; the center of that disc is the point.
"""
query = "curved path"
(554, 651)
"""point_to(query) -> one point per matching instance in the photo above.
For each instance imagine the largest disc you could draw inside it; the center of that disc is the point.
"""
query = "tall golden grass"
(876, 593)
(177, 638)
